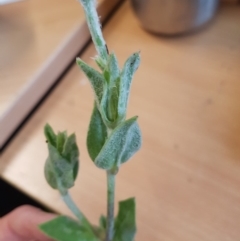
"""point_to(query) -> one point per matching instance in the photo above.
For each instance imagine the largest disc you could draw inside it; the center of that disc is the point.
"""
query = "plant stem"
(75, 210)
(110, 205)
(94, 26)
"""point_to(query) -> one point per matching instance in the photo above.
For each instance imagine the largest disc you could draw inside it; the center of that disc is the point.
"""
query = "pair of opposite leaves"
(60, 171)
(111, 89)
(64, 228)
(108, 151)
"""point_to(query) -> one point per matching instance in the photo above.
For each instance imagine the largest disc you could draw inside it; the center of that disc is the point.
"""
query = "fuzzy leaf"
(112, 103)
(71, 153)
(125, 224)
(113, 69)
(123, 142)
(64, 228)
(108, 108)
(59, 173)
(126, 76)
(106, 76)
(109, 102)
(104, 107)
(100, 62)
(61, 166)
(96, 79)
(97, 134)
(50, 175)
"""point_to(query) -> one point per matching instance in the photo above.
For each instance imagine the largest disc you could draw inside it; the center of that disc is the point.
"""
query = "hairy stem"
(94, 26)
(110, 205)
(75, 210)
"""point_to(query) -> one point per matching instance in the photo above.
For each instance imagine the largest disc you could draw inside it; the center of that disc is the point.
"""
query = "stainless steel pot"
(173, 16)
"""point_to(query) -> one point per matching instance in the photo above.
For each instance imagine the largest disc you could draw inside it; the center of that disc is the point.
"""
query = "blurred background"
(186, 94)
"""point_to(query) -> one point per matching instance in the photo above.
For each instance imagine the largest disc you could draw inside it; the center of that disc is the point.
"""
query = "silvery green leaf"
(110, 94)
(112, 105)
(113, 69)
(71, 153)
(109, 102)
(121, 145)
(125, 224)
(108, 106)
(64, 228)
(61, 166)
(96, 79)
(106, 75)
(107, 116)
(70, 149)
(58, 171)
(112, 100)
(50, 175)
(100, 62)
(126, 76)
(97, 134)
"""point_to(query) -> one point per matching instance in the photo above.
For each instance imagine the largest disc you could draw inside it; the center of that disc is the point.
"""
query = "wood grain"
(186, 178)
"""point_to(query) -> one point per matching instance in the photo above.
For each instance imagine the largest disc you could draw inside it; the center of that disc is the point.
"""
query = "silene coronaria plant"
(111, 141)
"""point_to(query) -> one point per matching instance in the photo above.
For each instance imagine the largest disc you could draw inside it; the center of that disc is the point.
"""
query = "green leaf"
(108, 108)
(59, 173)
(50, 135)
(113, 69)
(121, 145)
(126, 76)
(106, 75)
(64, 228)
(97, 134)
(112, 105)
(61, 166)
(49, 174)
(71, 153)
(61, 139)
(125, 224)
(100, 62)
(109, 101)
(104, 106)
(70, 149)
(96, 79)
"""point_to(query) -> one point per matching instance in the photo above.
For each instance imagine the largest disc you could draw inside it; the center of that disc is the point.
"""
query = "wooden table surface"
(30, 32)
(186, 178)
